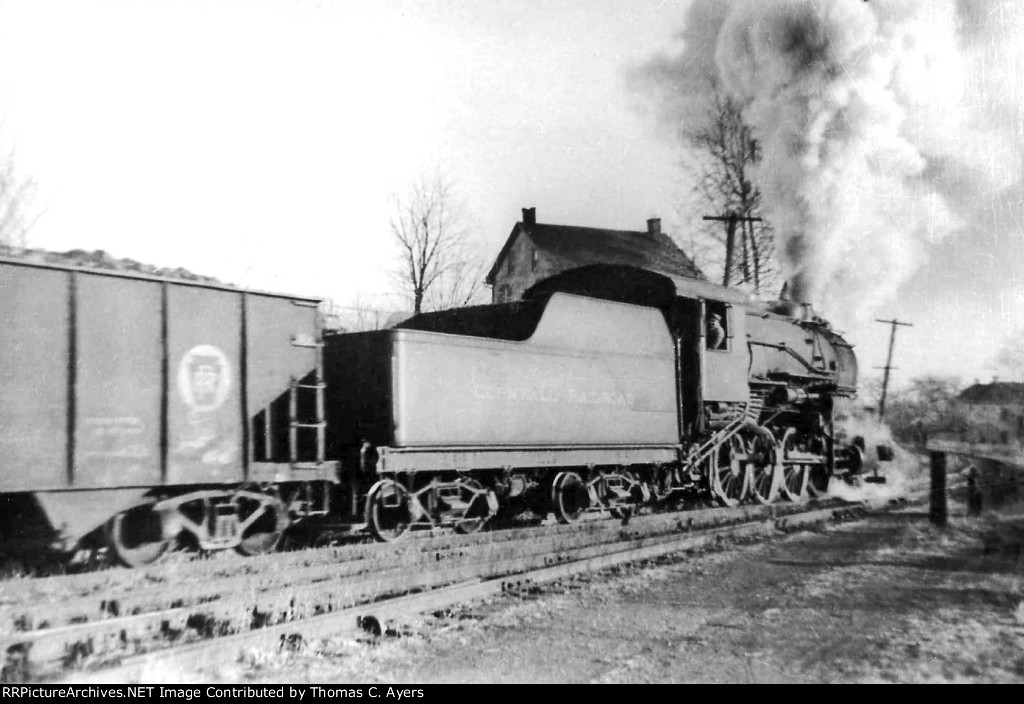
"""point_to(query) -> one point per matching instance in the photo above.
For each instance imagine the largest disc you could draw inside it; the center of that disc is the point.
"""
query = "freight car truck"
(137, 410)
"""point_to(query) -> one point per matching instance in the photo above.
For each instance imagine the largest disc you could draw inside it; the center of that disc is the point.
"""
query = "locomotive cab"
(708, 327)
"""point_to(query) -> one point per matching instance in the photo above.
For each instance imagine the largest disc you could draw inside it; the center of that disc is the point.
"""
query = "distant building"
(535, 251)
(995, 411)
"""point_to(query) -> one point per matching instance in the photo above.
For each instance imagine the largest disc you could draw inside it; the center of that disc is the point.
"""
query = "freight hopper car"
(607, 388)
(140, 412)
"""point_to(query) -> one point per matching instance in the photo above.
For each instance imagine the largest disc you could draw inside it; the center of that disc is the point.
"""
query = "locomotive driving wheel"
(262, 520)
(764, 465)
(794, 473)
(569, 497)
(817, 480)
(387, 510)
(136, 536)
(728, 472)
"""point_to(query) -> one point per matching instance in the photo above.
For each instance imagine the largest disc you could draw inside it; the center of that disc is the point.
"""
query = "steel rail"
(276, 603)
(376, 617)
(286, 595)
(105, 591)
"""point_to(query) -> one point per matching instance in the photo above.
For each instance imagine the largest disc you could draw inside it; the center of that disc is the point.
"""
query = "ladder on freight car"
(307, 504)
(311, 382)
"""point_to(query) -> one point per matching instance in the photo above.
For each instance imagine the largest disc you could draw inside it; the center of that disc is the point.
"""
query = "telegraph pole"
(730, 221)
(888, 362)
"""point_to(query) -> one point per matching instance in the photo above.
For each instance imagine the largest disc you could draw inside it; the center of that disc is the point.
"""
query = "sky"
(259, 142)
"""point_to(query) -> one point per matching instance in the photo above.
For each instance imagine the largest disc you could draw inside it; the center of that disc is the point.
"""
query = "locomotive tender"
(138, 412)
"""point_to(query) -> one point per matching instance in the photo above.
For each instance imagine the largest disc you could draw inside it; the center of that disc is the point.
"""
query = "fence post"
(938, 512)
(974, 497)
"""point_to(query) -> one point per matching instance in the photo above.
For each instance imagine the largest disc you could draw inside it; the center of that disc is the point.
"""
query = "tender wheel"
(136, 537)
(387, 510)
(729, 473)
(262, 522)
(478, 512)
(569, 497)
(794, 475)
(764, 466)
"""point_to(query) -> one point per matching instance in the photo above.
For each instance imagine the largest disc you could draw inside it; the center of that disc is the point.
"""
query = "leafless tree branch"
(438, 268)
(16, 196)
(723, 152)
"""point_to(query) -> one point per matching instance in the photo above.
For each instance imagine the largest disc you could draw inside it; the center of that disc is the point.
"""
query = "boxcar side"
(113, 385)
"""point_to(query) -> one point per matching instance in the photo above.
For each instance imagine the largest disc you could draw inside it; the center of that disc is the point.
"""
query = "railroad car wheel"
(136, 537)
(477, 513)
(569, 497)
(262, 523)
(764, 466)
(728, 472)
(794, 476)
(387, 510)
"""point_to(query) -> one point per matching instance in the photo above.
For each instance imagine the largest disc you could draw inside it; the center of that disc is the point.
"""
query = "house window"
(511, 264)
(534, 259)
(504, 294)
(717, 327)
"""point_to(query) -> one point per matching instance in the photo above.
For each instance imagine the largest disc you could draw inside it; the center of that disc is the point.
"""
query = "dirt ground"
(889, 599)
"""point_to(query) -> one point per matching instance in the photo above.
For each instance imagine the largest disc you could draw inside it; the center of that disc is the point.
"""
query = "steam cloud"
(884, 126)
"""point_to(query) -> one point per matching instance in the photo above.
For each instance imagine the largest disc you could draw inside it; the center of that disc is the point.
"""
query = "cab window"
(716, 326)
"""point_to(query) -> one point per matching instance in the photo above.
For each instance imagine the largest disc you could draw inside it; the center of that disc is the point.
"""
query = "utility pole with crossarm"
(730, 221)
(888, 362)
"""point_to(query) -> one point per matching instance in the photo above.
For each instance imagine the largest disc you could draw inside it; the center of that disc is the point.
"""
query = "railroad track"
(28, 602)
(211, 614)
(206, 620)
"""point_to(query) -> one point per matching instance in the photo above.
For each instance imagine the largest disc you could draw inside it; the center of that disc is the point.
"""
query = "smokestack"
(654, 226)
(798, 288)
(529, 216)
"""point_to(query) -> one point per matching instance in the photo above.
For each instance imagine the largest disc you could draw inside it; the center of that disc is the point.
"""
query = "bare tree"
(438, 268)
(360, 314)
(462, 284)
(723, 152)
(926, 408)
(15, 201)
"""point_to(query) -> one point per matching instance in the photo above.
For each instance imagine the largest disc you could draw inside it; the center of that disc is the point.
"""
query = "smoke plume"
(883, 126)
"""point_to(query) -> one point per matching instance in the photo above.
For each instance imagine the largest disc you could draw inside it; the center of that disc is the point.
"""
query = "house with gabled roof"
(535, 251)
(995, 410)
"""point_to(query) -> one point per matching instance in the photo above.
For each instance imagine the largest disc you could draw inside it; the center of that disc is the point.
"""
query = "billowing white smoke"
(900, 472)
(883, 125)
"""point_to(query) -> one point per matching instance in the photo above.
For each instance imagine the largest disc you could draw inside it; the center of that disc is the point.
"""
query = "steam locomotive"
(140, 413)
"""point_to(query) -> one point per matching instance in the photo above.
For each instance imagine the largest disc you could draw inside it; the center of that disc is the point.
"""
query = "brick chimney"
(529, 216)
(654, 226)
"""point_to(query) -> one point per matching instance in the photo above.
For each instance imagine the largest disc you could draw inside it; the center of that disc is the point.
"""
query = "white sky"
(258, 141)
